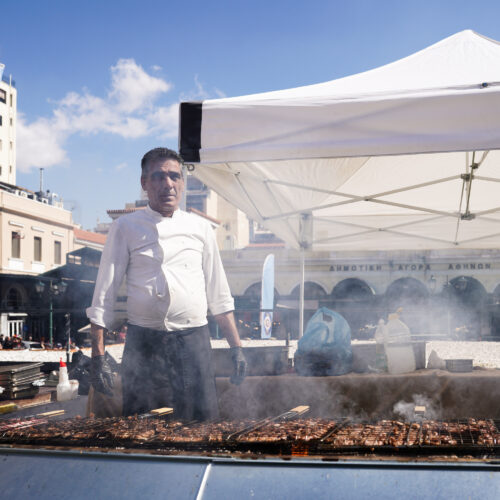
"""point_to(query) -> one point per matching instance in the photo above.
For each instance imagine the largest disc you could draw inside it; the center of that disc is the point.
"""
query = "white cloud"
(155, 67)
(131, 109)
(39, 144)
(126, 111)
(198, 94)
(219, 93)
(165, 120)
(132, 87)
(120, 166)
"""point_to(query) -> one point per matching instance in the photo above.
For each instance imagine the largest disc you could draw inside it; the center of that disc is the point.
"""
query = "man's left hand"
(239, 365)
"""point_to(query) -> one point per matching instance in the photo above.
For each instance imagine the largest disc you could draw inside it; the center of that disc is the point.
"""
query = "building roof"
(124, 210)
(91, 237)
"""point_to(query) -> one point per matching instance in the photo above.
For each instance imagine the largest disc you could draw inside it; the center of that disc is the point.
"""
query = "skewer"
(336, 428)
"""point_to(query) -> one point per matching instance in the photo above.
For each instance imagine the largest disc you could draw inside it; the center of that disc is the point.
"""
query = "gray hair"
(157, 154)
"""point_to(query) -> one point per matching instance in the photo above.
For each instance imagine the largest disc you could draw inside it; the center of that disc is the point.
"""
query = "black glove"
(101, 376)
(239, 365)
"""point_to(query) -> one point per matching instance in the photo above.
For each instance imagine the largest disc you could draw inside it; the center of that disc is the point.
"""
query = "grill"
(287, 434)
(291, 456)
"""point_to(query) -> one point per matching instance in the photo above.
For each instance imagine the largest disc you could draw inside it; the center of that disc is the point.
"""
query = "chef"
(173, 273)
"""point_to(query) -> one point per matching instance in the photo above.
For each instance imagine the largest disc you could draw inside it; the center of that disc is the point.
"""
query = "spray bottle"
(64, 391)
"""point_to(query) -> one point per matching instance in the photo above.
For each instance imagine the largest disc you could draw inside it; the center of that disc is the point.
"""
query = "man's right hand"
(101, 376)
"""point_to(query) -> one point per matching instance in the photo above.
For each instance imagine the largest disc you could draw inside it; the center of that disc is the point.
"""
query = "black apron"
(172, 369)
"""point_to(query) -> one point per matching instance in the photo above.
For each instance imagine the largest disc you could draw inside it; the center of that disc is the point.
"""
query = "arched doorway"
(410, 296)
(405, 290)
(247, 312)
(354, 299)
(313, 295)
(495, 313)
(352, 289)
(467, 305)
(312, 291)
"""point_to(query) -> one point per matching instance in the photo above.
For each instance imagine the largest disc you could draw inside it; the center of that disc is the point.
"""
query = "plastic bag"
(325, 348)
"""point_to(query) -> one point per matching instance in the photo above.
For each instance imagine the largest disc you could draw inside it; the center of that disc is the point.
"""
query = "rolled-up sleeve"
(219, 298)
(112, 269)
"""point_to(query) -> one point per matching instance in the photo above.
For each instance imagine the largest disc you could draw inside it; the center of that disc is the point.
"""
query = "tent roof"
(463, 59)
(398, 157)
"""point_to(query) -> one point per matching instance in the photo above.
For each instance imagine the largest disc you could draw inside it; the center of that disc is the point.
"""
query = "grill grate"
(283, 434)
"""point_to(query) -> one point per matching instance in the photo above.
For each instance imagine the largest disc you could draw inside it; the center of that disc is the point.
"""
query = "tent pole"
(301, 299)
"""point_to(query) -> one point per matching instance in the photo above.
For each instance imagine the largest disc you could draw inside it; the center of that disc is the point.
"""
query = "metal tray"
(13, 369)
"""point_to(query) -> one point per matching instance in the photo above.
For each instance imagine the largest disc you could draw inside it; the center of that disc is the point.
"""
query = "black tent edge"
(190, 131)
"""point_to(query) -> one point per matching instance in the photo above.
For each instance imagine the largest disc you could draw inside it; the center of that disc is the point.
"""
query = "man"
(173, 271)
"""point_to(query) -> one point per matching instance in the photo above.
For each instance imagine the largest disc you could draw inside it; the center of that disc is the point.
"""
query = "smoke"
(407, 410)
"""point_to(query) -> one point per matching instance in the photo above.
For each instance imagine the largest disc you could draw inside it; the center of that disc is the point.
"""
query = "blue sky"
(99, 81)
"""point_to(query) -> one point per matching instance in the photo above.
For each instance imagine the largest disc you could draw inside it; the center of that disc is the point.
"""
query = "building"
(448, 293)
(8, 106)
(40, 242)
(36, 231)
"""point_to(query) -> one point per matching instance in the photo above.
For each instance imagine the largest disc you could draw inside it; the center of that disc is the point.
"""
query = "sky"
(99, 82)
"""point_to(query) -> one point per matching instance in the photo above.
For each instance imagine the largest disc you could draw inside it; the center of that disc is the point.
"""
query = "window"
(0, 120)
(14, 298)
(11, 122)
(11, 145)
(38, 249)
(11, 100)
(0, 144)
(57, 252)
(3, 96)
(10, 169)
(16, 245)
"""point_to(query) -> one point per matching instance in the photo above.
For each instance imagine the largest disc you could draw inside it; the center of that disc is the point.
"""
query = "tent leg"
(301, 299)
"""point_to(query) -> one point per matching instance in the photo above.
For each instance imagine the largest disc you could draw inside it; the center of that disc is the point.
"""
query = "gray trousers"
(171, 369)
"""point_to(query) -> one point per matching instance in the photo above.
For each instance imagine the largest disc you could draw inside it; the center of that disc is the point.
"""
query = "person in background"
(173, 272)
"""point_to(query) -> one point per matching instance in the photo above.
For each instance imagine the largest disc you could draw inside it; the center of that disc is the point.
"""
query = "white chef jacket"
(172, 269)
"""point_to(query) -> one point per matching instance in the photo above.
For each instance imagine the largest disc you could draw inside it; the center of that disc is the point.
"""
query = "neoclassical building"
(441, 293)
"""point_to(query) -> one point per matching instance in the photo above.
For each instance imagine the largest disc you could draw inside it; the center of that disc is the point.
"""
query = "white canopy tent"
(404, 156)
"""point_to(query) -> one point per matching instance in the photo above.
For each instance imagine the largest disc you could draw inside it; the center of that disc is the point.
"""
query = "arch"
(312, 291)
(254, 291)
(406, 290)
(352, 289)
(468, 289)
(15, 297)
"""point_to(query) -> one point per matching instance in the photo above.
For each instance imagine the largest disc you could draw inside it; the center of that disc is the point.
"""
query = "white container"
(398, 349)
(381, 337)
(74, 388)
(64, 390)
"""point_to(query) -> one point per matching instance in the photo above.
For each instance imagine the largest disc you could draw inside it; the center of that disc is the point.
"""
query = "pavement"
(484, 354)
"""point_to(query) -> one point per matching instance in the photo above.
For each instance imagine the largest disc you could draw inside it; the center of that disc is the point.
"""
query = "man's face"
(164, 184)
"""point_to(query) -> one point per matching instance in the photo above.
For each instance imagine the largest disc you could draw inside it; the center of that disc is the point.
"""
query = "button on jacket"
(172, 269)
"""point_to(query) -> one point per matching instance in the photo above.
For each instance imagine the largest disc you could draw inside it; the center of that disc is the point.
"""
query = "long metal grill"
(283, 435)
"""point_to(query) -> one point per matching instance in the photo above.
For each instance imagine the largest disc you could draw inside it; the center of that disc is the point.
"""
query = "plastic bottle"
(64, 390)
(399, 350)
(381, 340)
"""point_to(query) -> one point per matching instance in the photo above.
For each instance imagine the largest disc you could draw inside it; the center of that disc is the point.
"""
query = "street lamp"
(55, 288)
